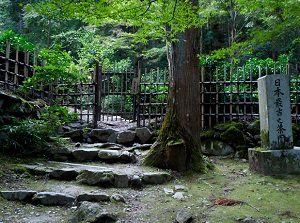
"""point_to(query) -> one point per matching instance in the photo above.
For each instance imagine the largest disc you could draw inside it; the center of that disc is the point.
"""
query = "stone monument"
(276, 154)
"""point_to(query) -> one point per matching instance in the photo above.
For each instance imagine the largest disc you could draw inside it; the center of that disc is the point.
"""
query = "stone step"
(106, 152)
(116, 175)
(61, 199)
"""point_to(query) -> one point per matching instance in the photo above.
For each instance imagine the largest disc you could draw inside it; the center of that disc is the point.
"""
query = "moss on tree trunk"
(175, 149)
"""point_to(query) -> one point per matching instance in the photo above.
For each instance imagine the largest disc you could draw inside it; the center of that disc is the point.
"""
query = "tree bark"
(178, 145)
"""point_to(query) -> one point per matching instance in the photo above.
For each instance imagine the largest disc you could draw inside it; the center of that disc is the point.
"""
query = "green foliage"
(57, 66)
(33, 135)
(57, 115)
(15, 40)
(25, 137)
(117, 103)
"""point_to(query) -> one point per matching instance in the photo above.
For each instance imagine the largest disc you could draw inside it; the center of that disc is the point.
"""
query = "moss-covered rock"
(238, 135)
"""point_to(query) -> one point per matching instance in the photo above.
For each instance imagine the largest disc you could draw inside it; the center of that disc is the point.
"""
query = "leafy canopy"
(155, 18)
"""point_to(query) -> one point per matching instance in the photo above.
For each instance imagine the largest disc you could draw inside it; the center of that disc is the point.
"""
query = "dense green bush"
(28, 136)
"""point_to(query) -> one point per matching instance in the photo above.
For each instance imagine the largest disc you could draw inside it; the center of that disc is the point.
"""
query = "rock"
(105, 154)
(64, 174)
(156, 177)
(85, 154)
(168, 191)
(127, 157)
(143, 134)
(51, 198)
(74, 134)
(136, 181)
(38, 169)
(178, 195)
(254, 127)
(121, 181)
(96, 177)
(180, 188)
(113, 137)
(183, 216)
(61, 154)
(216, 148)
(118, 198)
(108, 145)
(249, 219)
(60, 150)
(125, 137)
(18, 195)
(93, 197)
(93, 213)
(101, 134)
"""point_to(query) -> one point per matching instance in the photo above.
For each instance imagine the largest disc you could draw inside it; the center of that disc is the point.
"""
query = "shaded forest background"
(231, 32)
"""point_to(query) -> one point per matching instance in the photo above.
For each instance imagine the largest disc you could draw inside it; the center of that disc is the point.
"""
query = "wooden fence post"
(97, 97)
(139, 73)
(7, 63)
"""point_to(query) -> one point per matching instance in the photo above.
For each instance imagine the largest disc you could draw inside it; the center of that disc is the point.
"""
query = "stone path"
(103, 165)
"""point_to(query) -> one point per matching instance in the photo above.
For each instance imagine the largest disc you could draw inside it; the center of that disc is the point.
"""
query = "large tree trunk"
(178, 145)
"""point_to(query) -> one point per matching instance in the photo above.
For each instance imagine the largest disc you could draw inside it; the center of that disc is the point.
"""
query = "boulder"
(61, 154)
(183, 216)
(216, 148)
(111, 155)
(156, 177)
(125, 137)
(121, 180)
(101, 134)
(127, 157)
(96, 177)
(51, 198)
(85, 154)
(91, 212)
(118, 198)
(136, 181)
(143, 134)
(113, 137)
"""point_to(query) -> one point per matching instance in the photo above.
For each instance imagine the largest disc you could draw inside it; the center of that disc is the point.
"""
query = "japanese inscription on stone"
(274, 112)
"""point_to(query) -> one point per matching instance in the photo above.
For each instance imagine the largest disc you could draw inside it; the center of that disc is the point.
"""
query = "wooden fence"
(135, 96)
(140, 95)
(231, 94)
(15, 68)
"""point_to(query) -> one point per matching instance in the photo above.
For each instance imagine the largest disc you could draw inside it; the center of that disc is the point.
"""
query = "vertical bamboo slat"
(231, 94)
(16, 67)
(202, 90)
(7, 54)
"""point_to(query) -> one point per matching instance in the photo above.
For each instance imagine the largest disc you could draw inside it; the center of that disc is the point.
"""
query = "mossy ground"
(266, 198)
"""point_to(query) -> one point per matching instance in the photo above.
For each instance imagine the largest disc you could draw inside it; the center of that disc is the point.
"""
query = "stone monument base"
(275, 162)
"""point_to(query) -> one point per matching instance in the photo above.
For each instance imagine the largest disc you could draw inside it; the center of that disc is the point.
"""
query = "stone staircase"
(100, 165)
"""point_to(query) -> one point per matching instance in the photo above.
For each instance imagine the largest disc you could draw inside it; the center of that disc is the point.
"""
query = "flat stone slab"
(18, 195)
(85, 154)
(52, 198)
(275, 162)
(156, 177)
(93, 197)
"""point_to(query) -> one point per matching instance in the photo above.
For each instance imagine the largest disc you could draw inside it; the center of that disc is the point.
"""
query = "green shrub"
(31, 136)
